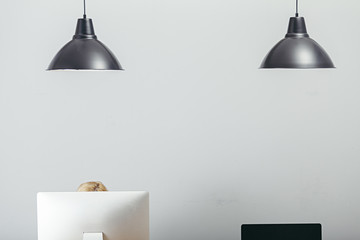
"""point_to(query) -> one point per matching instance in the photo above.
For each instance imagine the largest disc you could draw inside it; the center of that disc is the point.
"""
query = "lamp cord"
(84, 9)
(297, 8)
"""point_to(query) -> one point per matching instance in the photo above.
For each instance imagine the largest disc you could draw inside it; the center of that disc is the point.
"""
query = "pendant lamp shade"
(85, 51)
(297, 49)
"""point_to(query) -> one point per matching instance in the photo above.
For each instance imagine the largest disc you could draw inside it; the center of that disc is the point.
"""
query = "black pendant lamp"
(297, 49)
(85, 51)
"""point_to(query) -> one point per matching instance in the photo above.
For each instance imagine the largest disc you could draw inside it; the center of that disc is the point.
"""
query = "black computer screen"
(281, 231)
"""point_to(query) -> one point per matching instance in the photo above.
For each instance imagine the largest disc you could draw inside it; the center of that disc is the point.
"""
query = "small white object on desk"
(93, 236)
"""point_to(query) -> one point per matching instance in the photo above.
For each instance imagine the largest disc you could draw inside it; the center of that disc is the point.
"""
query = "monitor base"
(93, 236)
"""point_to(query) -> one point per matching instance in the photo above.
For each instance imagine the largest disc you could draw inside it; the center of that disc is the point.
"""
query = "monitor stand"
(93, 236)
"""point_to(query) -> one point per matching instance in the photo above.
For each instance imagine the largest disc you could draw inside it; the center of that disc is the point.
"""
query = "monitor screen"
(310, 231)
(88, 215)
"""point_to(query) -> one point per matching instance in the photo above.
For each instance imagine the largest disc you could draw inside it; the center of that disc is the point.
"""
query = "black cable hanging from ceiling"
(84, 16)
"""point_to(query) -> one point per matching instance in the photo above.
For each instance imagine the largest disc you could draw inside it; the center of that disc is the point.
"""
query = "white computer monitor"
(93, 215)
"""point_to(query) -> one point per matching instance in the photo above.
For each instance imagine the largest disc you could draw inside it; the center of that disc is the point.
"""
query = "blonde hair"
(91, 187)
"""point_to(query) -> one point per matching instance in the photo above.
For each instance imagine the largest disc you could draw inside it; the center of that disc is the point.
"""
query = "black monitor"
(303, 231)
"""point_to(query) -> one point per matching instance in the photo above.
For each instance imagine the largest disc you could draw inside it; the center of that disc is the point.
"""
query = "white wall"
(193, 120)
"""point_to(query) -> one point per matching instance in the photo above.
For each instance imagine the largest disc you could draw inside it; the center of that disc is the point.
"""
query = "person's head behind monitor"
(92, 187)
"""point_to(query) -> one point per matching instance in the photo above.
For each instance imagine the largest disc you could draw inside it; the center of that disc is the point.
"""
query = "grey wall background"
(216, 141)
